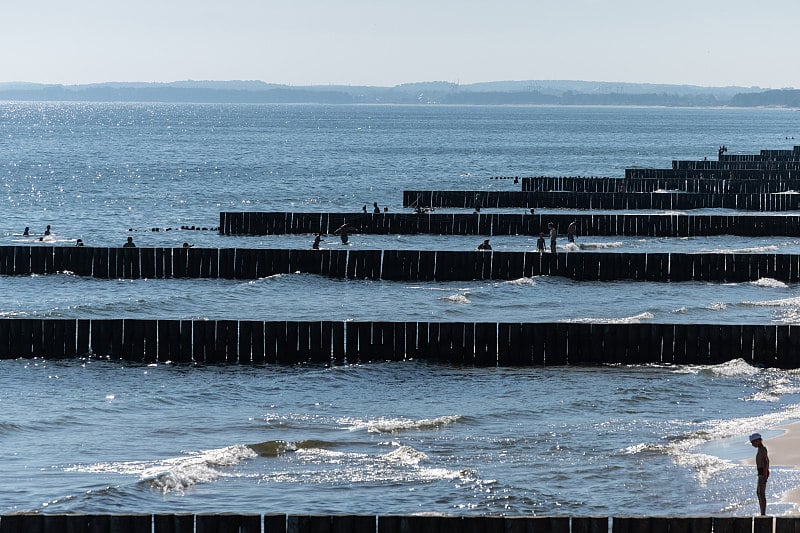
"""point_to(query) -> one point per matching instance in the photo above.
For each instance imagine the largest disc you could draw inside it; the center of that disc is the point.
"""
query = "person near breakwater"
(485, 245)
(553, 235)
(571, 231)
(47, 231)
(540, 243)
(129, 243)
(375, 209)
(762, 468)
(27, 231)
(317, 240)
(344, 232)
(79, 242)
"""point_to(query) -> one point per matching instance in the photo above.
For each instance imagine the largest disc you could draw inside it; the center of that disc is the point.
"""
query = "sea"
(372, 437)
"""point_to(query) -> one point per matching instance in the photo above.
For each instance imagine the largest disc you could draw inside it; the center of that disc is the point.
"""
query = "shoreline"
(784, 451)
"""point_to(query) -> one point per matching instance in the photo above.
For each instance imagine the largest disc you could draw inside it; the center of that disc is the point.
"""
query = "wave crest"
(178, 473)
(460, 298)
(635, 319)
(769, 283)
(393, 425)
(521, 282)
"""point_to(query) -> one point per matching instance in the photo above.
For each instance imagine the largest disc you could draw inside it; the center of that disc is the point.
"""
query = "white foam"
(600, 245)
(405, 455)
(635, 319)
(732, 368)
(522, 282)
(391, 425)
(783, 302)
(683, 449)
(267, 278)
(457, 298)
(751, 250)
(403, 464)
(769, 283)
(178, 473)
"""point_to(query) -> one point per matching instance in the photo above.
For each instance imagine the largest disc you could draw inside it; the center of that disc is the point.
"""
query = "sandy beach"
(784, 451)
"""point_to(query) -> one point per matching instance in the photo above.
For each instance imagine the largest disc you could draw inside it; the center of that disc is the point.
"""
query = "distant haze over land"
(532, 92)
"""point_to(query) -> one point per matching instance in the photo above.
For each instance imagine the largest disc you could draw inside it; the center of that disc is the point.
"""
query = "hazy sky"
(387, 42)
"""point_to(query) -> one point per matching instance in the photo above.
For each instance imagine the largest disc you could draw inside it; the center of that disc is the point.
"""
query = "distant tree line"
(430, 93)
(780, 98)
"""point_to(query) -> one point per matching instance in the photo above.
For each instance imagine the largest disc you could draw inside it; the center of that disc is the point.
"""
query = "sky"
(389, 42)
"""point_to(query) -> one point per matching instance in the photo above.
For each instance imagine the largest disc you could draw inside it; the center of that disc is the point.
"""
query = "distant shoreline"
(532, 93)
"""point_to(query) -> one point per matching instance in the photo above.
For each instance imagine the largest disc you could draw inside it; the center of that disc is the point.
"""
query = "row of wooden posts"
(712, 174)
(483, 344)
(281, 523)
(732, 165)
(588, 224)
(763, 155)
(601, 200)
(663, 183)
(395, 265)
(768, 165)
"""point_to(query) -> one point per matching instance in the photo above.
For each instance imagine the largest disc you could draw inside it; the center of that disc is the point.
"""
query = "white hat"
(755, 436)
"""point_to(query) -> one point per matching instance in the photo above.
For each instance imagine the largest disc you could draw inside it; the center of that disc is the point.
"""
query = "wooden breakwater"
(482, 344)
(394, 265)
(601, 200)
(658, 181)
(293, 523)
(602, 224)
(695, 172)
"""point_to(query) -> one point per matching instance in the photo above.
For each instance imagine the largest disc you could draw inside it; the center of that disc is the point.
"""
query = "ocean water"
(406, 437)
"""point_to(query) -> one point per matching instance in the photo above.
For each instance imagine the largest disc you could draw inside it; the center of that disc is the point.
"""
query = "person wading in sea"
(344, 231)
(762, 467)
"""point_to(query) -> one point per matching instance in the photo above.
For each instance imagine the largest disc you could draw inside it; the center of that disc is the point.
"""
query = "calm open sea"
(98, 436)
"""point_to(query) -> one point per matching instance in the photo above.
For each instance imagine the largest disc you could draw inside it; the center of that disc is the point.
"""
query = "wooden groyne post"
(397, 265)
(483, 344)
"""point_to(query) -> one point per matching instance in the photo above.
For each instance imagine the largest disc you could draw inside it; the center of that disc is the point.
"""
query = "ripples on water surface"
(111, 438)
(90, 436)
(308, 297)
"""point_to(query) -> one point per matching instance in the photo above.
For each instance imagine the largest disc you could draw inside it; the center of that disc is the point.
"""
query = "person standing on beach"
(762, 467)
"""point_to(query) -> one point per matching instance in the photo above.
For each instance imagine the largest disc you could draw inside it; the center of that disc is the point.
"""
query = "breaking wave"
(635, 319)
(393, 425)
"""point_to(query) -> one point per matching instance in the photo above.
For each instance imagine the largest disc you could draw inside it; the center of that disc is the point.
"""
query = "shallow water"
(114, 438)
(93, 436)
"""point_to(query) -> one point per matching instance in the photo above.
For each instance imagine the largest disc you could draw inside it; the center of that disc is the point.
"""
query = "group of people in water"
(552, 231)
(79, 242)
(27, 232)
(346, 229)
